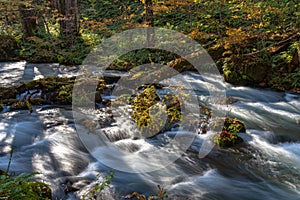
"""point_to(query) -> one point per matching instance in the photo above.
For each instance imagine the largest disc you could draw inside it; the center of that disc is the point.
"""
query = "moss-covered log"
(50, 90)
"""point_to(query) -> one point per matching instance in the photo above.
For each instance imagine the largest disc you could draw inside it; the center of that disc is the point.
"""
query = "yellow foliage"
(236, 36)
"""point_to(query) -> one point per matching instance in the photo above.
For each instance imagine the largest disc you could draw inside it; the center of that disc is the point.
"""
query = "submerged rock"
(70, 188)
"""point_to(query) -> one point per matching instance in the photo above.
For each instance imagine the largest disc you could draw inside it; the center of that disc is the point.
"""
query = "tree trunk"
(149, 12)
(69, 21)
(28, 20)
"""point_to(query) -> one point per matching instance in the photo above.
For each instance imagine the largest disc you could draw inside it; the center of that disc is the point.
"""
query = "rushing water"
(266, 166)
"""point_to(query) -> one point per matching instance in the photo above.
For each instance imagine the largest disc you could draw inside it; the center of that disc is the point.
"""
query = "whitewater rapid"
(266, 166)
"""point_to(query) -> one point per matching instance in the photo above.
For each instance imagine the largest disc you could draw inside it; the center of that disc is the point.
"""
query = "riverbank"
(252, 43)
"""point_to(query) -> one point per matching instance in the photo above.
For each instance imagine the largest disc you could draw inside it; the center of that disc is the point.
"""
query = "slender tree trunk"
(28, 20)
(40, 10)
(149, 12)
(149, 22)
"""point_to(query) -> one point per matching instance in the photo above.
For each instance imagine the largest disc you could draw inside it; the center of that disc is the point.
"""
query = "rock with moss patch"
(228, 136)
(154, 113)
(234, 125)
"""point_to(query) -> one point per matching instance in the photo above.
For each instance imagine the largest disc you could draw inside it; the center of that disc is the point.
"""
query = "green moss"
(36, 101)
(234, 125)
(8, 92)
(65, 94)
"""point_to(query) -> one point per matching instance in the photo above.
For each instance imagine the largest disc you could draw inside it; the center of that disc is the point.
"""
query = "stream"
(265, 166)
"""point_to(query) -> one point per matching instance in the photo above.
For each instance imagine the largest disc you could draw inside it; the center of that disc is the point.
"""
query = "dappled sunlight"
(10, 73)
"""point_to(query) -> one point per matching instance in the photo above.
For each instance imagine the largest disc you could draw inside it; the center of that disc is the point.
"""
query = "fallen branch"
(284, 42)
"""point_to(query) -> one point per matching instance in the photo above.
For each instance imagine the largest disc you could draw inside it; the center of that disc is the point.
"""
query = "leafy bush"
(8, 47)
(21, 186)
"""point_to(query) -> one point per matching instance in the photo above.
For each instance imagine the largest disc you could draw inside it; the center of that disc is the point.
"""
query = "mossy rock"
(37, 101)
(8, 92)
(232, 72)
(152, 112)
(228, 136)
(8, 102)
(227, 139)
(234, 125)
(245, 70)
(55, 90)
(257, 73)
(23, 104)
(141, 104)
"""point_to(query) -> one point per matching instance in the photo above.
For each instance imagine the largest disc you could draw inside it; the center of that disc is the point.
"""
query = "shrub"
(21, 186)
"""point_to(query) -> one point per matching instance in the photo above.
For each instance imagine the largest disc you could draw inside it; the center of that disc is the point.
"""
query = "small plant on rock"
(99, 186)
(161, 195)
